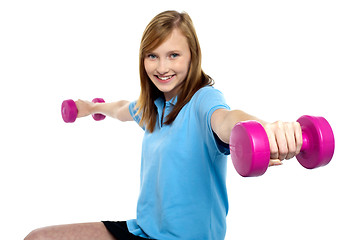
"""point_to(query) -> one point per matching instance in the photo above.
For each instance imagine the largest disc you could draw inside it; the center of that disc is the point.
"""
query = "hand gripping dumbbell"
(250, 149)
(69, 111)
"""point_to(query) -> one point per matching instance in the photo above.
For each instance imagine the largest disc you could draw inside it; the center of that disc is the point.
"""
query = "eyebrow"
(169, 52)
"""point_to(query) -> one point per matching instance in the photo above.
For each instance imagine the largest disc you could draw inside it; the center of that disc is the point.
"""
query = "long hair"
(154, 35)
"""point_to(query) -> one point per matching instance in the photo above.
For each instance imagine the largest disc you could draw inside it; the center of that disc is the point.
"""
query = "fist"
(285, 139)
(84, 108)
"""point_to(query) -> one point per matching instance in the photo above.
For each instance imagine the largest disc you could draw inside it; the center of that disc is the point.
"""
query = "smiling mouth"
(165, 78)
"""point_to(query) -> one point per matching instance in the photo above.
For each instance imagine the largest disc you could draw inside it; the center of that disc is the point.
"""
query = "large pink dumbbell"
(250, 150)
(69, 111)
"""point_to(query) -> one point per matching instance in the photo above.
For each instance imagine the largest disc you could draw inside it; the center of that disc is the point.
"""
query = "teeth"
(164, 78)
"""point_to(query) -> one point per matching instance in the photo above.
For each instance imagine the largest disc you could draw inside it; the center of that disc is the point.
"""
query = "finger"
(281, 141)
(275, 162)
(298, 136)
(291, 140)
(77, 104)
(83, 107)
(272, 144)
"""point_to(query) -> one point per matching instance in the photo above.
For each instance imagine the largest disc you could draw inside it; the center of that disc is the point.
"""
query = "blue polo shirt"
(183, 191)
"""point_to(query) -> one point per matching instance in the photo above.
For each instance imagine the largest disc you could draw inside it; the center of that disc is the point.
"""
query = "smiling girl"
(187, 126)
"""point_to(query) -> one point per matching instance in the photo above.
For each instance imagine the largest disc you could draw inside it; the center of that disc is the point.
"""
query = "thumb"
(275, 162)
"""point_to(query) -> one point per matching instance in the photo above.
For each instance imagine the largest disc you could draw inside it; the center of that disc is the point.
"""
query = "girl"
(187, 126)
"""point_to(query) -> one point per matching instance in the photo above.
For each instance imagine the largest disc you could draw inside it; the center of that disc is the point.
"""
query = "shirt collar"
(159, 102)
(173, 101)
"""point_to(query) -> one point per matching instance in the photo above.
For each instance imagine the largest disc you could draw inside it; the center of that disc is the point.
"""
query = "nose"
(163, 67)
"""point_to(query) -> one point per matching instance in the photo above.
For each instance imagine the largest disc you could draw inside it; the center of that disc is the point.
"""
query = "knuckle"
(289, 125)
(280, 124)
(274, 152)
(268, 127)
(292, 149)
(282, 152)
(296, 125)
(273, 149)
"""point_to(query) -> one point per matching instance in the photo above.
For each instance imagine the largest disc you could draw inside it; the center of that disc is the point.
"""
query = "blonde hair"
(157, 31)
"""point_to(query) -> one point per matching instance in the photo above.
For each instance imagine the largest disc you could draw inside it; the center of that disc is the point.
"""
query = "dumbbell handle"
(305, 142)
(98, 116)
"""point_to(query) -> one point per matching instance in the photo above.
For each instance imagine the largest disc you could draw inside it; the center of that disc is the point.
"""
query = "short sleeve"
(133, 110)
(209, 100)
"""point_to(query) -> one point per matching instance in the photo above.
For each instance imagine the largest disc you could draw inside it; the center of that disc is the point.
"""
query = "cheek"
(148, 67)
(182, 67)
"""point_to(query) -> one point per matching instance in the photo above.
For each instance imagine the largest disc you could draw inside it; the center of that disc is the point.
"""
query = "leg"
(82, 231)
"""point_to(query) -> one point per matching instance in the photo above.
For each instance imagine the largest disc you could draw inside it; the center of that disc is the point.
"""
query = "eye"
(174, 55)
(151, 56)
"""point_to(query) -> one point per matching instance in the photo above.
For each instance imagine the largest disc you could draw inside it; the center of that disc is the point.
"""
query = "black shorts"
(120, 231)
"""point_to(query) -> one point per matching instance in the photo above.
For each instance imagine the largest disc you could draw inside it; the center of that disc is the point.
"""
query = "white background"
(277, 60)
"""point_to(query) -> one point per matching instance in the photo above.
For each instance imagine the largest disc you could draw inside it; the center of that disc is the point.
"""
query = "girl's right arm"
(118, 110)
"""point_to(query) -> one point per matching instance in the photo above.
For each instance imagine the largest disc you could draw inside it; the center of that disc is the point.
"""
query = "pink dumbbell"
(250, 150)
(69, 111)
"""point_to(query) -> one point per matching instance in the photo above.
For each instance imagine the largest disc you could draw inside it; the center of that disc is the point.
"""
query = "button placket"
(167, 109)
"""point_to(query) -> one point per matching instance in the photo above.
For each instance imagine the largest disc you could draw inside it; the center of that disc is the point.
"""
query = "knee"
(37, 234)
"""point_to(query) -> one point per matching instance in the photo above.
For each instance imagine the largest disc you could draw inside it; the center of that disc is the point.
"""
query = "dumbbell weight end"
(69, 111)
(250, 155)
(318, 142)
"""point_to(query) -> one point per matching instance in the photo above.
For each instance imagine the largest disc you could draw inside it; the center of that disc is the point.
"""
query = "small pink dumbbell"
(250, 150)
(69, 111)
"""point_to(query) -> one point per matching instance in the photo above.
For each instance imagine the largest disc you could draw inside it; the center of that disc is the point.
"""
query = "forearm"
(112, 109)
(230, 119)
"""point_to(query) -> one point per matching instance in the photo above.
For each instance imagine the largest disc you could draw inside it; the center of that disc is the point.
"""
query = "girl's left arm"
(285, 138)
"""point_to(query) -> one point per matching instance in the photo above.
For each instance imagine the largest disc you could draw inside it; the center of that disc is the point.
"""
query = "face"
(167, 66)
